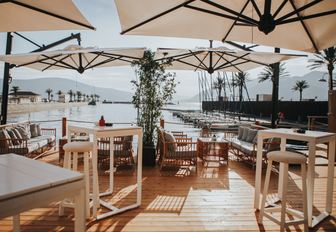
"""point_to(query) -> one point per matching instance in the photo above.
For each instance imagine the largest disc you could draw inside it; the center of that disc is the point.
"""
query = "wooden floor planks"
(213, 199)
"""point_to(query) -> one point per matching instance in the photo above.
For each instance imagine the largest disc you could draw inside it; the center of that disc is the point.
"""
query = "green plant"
(153, 90)
(300, 86)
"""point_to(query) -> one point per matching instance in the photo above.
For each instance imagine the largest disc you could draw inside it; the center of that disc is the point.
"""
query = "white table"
(27, 184)
(313, 138)
(110, 132)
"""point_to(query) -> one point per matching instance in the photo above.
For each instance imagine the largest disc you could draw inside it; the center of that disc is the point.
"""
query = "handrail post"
(64, 126)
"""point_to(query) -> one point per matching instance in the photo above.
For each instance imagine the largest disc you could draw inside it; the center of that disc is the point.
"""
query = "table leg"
(330, 184)
(258, 173)
(95, 177)
(80, 211)
(281, 169)
(16, 223)
(310, 181)
(111, 164)
(139, 169)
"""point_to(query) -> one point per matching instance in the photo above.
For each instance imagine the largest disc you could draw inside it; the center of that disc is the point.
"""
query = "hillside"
(40, 85)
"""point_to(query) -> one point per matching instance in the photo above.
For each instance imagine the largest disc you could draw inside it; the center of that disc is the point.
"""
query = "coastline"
(16, 109)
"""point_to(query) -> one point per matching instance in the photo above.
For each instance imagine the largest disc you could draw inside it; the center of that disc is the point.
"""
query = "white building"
(24, 97)
(63, 98)
(264, 97)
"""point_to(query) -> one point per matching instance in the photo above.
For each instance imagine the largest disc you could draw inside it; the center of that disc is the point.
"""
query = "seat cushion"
(169, 138)
(4, 136)
(245, 133)
(287, 157)
(33, 130)
(240, 132)
(23, 131)
(251, 134)
(78, 147)
(246, 147)
(13, 137)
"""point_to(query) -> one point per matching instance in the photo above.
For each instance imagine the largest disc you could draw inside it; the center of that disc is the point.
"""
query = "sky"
(102, 14)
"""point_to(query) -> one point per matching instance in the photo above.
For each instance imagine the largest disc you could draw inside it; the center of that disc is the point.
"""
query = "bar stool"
(285, 158)
(72, 150)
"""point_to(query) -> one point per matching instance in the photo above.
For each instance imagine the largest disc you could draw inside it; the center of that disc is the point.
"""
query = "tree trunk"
(330, 71)
(300, 95)
(332, 111)
(275, 91)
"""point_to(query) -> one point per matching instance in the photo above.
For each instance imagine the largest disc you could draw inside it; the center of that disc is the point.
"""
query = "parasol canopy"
(40, 15)
(75, 57)
(306, 25)
(218, 59)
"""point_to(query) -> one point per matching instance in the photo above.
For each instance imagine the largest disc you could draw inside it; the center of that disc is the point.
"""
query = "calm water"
(115, 113)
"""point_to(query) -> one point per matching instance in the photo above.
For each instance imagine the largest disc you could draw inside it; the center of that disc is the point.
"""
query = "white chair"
(72, 149)
(285, 158)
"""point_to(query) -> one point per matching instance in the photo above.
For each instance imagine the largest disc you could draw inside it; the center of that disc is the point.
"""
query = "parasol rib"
(157, 16)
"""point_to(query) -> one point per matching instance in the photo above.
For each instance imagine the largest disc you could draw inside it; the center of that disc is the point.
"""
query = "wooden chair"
(123, 151)
(177, 151)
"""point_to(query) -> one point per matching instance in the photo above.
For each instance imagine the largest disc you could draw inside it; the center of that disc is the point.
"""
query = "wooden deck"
(213, 199)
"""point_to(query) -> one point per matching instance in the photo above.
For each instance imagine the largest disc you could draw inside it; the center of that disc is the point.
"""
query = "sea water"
(121, 115)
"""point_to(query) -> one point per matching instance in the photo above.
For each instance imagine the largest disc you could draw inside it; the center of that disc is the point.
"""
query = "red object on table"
(102, 121)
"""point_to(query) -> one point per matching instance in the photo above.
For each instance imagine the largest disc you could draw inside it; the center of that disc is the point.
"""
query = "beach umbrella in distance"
(40, 15)
(295, 24)
(218, 59)
(74, 57)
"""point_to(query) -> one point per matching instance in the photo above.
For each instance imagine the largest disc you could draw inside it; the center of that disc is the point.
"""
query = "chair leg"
(304, 193)
(66, 160)
(266, 184)
(87, 184)
(284, 197)
(75, 161)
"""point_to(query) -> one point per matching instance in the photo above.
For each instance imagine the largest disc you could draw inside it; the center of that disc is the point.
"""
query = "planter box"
(148, 156)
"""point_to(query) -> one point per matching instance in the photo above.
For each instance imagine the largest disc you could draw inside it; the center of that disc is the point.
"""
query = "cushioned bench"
(244, 145)
(26, 139)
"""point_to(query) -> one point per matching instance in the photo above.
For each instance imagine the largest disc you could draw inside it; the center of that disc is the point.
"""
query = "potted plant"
(153, 89)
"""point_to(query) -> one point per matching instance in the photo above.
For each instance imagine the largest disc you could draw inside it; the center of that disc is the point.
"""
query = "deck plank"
(213, 199)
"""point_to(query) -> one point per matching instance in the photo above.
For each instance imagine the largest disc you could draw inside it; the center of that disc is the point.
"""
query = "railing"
(313, 124)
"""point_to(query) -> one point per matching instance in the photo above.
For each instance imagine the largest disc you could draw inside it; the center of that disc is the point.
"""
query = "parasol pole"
(6, 80)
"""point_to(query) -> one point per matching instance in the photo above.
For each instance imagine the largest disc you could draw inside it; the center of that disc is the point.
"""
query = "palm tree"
(240, 81)
(273, 73)
(268, 73)
(71, 93)
(79, 95)
(49, 91)
(15, 90)
(300, 86)
(219, 84)
(326, 58)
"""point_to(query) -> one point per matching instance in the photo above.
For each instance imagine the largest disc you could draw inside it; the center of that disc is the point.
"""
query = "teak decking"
(216, 199)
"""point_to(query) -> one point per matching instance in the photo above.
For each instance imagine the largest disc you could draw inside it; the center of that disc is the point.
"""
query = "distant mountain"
(316, 88)
(40, 85)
